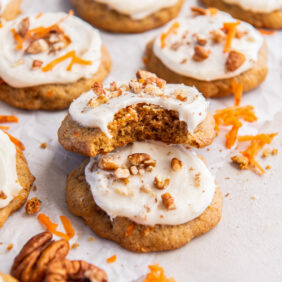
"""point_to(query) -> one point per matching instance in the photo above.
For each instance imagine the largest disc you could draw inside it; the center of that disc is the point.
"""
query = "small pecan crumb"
(147, 190)
(135, 86)
(200, 39)
(197, 11)
(107, 163)
(241, 161)
(234, 60)
(197, 180)
(3, 196)
(43, 145)
(254, 197)
(37, 46)
(274, 152)
(239, 34)
(268, 167)
(98, 89)
(34, 188)
(91, 239)
(168, 201)
(141, 74)
(121, 173)
(161, 183)
(74, 245)
(184, 61)
(138, 158)
(176, 164)
(23, 27)
(217, 36)
(200, 54)
(126, 181)
(133, 170)
(10, 247)
(36, 64)
(33, 206)
(266, 153)
(176, 45)
(124, 191)
(113, 86)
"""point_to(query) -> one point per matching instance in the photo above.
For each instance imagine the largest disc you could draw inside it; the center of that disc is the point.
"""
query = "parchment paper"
(245, 246)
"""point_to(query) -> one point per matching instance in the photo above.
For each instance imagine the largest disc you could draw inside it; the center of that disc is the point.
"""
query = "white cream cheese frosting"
(191, 187)
(16, 65)
(259, 6)
(3, 5)
(9, 184)
(192, 108)
(137, 9)
(177, 54)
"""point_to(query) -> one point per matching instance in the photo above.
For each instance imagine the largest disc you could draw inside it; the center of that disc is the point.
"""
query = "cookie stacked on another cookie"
(209, 49)
(128, 16)
(145, 195)
(49, 59)
(15, 178)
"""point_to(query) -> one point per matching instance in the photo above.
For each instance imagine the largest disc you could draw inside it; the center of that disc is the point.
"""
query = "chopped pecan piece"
(176, 164)
(241, 161)
(37, 46)
(133, 170)
(107, 163)
(200, 54)
(138, 158)
(33, 206)
(217, 36)
(66, 270)
(161, 183)
(168, 201)
(37, 64)
(197, 180)
(200, 39)
(141, 74)
(121, 173)
(197, 11)
(135, 86)
(23, 27)
(234, 60)
(98, 89)
(3, 196)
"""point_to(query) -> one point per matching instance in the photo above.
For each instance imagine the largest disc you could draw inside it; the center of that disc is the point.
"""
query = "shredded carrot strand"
(52, 227)
(19, 40)
(165, 35)
(4, 127)
(230, 29)
(17, 142)
(157, 274)
(74, 60)
(4, 119)
(129, 229)
(237, 89)
(257, 144)
(267, 32)
(67, 226)
(112, 259)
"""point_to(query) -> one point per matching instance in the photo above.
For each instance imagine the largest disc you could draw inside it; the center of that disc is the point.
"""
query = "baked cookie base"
(102, 17)
(262, 20)
(250, 79)
(53, 96)
(26, 180)
(12, 10)
(143, 238)
(152, 123)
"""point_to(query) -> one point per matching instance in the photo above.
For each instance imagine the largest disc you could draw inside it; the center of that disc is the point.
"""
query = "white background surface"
(245, 246)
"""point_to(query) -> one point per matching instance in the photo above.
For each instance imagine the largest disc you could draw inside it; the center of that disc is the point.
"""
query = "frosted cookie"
(145, 108)
(146, 196)
(7, 278)
(208, 50)
(9, 9)
(47, 60)
(260, 13)
(127, 16)
(15, 178)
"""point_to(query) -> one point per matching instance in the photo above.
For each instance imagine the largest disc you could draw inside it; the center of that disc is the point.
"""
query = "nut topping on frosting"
(200, 54)
(122, 173)
(23, 27)
(3, 195)
(176, 164)
(234, 60)
(107, 163)
(161, 182)
(168, 201)
(37, 46)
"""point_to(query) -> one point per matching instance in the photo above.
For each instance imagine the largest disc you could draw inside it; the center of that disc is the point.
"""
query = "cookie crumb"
(43, 145)
(91, 239)
(241, 161)
(33, 206)
(254, 197)
(266, 153)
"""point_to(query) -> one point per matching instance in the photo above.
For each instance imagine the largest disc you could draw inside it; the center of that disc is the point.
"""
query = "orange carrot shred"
(112, 259)
(19, 40)
(52, 227)
(237, 89)
(230, 29)
(17, 142)
(74, 60)
(257, 144)
(157, 274)
(164, 36)
(39, 15)
(4, 127)
(67, 226)
(267, 31)
(4, 119)
(129, 229)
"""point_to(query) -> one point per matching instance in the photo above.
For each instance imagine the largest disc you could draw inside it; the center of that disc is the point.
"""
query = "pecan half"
(65, 270)
(23, 27)
(234, 60)
(200, 54)
(31, 263)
